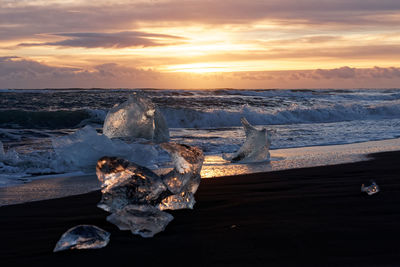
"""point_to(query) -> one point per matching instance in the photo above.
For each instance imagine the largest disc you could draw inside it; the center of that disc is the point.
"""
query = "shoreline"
(214, 167)
(298, 217)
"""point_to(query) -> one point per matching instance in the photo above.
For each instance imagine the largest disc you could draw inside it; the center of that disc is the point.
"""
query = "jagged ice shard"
(83, 237)
(144, 220)
(136, 195)
(125, 183)
(138, 117)
(184, 179)
(370, 190)
(256, 146)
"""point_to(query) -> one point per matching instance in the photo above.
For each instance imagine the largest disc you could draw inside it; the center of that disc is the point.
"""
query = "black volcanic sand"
(302, 217)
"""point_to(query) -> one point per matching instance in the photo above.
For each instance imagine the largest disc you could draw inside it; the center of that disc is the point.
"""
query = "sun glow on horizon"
(198, 68)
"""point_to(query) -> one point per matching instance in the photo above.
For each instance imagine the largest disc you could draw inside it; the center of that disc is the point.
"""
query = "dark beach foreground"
(302, 217)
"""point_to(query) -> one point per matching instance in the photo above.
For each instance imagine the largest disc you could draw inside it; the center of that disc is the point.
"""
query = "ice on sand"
(125, 183)
(185, 178)
(256, 146)
(144, 220)
(136, 195)
(137, 117)
(83, 237)
(370, 190)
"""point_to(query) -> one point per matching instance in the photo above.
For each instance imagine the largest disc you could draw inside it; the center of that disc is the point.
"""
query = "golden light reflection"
(215, 166)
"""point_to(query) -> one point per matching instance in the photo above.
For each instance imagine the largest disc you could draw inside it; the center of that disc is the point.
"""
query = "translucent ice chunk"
(137, 117)
(185, 178)
(370, 190)
(256, 146)
(125, 183)
(182, 200)
(144, 220)
(83, 237)
(82, 149)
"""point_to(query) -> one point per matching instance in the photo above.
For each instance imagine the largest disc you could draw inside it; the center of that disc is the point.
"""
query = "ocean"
(33, 122)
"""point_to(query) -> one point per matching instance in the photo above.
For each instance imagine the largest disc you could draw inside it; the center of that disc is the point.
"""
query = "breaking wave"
(194, 118)
(188, 118)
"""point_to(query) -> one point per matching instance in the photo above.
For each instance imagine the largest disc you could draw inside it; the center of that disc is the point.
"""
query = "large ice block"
(371, 189)
(137, 117)
(136, 195)
(185, 178)
(83, 237)
(144, 220)
(125, 183)
(256, 146)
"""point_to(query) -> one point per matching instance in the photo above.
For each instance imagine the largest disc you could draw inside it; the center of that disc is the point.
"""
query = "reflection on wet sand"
(216, 166)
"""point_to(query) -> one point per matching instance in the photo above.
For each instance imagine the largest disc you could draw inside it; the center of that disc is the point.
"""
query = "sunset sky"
(200, 44)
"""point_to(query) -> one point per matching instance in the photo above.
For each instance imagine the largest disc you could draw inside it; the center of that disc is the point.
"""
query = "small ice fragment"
(185, 178)
(125, 183)
(183, 200)
(370, 190)
(144, 220)
(137, 117)
(256, 146)
(83, 237)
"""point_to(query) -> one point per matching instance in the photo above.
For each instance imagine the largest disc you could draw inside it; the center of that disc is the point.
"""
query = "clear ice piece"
(125, 183)
(183, 200)
(83, 237)
(370, 190)
(256, 146)
(185, 178)
(144, 220)
(137, 117)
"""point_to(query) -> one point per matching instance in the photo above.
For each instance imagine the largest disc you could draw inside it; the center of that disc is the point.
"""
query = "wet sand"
(301, 217)
(214, 166)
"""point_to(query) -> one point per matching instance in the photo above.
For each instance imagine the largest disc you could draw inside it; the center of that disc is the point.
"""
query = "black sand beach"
(301, 217)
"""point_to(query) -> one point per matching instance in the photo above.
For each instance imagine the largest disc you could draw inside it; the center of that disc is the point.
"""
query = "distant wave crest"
(194, 118)
(188, 118)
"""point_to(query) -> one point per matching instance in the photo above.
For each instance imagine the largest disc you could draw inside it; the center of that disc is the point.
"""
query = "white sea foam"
(82, 149)
(189, 118)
